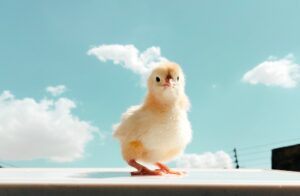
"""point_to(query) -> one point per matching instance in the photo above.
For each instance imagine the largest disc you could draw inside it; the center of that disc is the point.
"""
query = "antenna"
(236, 159)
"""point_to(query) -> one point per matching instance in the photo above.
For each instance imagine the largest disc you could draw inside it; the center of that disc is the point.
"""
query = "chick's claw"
(146, 172)
(165, 169)
(179, 173)
(142, 170)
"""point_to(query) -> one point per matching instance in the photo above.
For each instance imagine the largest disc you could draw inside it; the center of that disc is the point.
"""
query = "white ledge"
(117, 181)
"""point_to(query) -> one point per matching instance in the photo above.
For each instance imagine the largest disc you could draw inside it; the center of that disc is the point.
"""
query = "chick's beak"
(168, 81)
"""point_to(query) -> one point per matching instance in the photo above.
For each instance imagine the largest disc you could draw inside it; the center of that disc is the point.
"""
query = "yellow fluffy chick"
(158, 130)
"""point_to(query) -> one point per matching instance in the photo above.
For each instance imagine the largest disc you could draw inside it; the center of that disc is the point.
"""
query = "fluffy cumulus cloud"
(275, 72)
(129, 57)
(208, 160)
(56, 90)
(47, 129)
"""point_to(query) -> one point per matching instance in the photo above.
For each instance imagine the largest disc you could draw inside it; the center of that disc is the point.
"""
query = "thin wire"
(268, 144)
(260, 165)
(253, 153)
(257, 163)
(252, 159)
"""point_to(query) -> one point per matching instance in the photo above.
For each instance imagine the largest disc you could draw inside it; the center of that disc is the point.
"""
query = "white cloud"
(275, 72)
(47, 129)
(56, 90)
(208, 160)
(129, 57)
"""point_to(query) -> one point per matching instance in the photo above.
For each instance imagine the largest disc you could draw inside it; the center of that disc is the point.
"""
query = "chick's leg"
(167, 170)
(142, 170)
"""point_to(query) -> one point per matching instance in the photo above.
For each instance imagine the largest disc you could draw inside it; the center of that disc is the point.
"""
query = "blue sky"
(45, 43)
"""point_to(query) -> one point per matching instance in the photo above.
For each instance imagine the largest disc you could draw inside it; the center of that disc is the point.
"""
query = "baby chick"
(158, 130)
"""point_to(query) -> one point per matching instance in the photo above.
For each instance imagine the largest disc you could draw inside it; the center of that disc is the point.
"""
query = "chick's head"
(166, 82)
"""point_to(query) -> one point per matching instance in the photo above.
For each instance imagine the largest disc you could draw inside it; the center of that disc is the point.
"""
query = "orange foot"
(142, 170)
(165, 169)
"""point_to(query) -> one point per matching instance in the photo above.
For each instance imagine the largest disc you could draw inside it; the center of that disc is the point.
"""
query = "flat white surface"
(108, 176)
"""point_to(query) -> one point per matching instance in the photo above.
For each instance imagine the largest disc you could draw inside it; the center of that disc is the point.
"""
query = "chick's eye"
(177, 78)
(157, 79)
